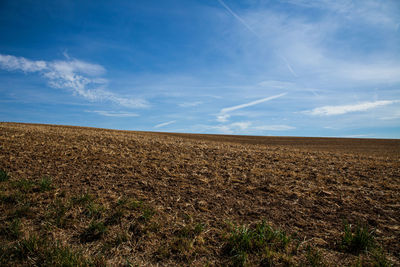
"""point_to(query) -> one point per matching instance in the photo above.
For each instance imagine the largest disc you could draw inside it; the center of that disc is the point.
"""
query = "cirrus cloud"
(82, 78)
(343, 109)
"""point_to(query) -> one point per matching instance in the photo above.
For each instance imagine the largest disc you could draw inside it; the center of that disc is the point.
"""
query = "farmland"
(87, 196)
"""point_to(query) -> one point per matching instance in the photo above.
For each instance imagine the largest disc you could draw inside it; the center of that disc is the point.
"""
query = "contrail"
(238, 18)
(225, 110)
(255, 33)
(164, 124)
(289, 66)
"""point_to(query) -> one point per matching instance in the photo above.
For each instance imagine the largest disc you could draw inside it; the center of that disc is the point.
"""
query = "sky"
(252, 67)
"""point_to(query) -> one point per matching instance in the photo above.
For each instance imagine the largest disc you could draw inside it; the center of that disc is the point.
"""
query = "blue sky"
(289, 68)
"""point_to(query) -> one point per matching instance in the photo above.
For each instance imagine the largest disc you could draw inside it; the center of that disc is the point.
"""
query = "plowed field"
(121, 197)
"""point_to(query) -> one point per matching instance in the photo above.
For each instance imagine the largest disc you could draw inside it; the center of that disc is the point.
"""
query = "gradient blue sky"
(290, 67)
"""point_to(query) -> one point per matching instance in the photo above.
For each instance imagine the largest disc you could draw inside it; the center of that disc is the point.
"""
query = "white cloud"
(223, 116)
(164, 124)
(393, 116)
(114, 114)
(190, 104)
(81, 77)
(343, 109)
(241, 125)
(259, 101)
(331, 128)
(315, 50)
(11, 63)
(74, 65)
(357, 135)
(274, 128)
(245, 127)
(224, 129)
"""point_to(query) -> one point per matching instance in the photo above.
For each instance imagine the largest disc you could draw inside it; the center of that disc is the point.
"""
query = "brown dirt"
(306, 186)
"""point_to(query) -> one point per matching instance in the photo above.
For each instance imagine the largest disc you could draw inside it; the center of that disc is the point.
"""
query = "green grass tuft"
(24, 185)
(94, 211)
(134, 204)
(357, 239)
(147, 214)
(244, 241)
(190, 231)
(3, 175)
(45, 184)
(39, 251)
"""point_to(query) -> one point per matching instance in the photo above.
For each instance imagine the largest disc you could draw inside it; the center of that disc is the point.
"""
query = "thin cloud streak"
(289, 67)
(244, 127)
(274, 128)
(244, 23)
(223, 115)
(164, 124)
(114, 114)
(81, 77)
(238, 18)
(226, 110)
(340, 110)
(357, 135)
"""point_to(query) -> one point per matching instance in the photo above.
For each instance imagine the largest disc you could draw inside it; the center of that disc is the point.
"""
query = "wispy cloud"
(190, 104)
(393, 116)
(370, 11)
(357, 135)
(236, 16)
(259, 101)
(274, 128)
(343, 109)
(164, 124)
(309, 48)
(245, 127)
(241, 125)
(12, 63)
(251, 29)
(289, 66)
(113, 114)
(223, 116)
(82, 78)
(387, 72)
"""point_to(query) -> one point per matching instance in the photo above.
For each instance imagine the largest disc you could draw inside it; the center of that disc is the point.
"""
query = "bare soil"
(304, 186)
